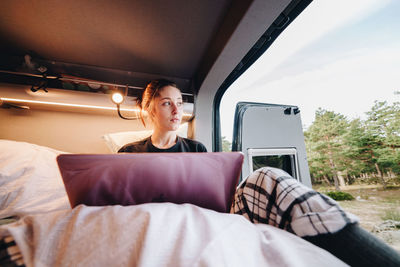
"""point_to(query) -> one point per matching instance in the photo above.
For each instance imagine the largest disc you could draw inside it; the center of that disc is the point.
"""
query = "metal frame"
(251, 152)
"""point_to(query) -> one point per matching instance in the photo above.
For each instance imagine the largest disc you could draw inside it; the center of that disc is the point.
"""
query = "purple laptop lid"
(208, 180)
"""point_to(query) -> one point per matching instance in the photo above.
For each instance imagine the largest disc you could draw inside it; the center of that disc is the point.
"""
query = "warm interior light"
(117, 98)
(62, 104)
(16, 100)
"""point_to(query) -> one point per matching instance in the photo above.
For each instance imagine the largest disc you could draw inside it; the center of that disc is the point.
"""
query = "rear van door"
(271, 135)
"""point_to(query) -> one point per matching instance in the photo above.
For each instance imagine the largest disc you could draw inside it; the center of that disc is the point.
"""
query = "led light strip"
(68, 104)
(62, 104)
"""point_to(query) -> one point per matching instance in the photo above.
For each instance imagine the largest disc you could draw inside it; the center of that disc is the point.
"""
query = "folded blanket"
(156, 234)
(271, 196)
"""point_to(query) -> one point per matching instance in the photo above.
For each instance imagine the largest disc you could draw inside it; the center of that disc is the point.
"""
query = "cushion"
(115, 141)
(30, 181)
(207, 180)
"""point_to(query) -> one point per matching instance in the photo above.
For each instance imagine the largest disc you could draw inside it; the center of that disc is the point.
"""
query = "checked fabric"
(271, 196)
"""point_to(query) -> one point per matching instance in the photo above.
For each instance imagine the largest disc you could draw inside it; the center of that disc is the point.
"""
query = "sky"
(338, 55)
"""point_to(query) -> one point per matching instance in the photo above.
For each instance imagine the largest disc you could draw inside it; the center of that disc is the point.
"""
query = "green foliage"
(339, 195)
(392, 214)
(392, 187)
(383, 125)
(338, 147)
(324, 144)
(226, 145)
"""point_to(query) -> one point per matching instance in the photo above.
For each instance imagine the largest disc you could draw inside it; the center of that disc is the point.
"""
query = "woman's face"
(167, 109)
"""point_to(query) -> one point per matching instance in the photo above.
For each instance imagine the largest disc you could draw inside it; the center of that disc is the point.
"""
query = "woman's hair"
(152, 91)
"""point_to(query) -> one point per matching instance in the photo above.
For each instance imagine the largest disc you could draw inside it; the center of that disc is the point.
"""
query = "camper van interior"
(70, 76)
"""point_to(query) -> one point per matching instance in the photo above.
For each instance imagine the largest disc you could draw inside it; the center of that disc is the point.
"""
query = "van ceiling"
(121, 41)
(168, 38)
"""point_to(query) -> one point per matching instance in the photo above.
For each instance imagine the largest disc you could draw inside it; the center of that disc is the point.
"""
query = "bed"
(38, 227)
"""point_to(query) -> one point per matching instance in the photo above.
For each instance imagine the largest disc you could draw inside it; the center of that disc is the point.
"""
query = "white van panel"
(266, 126)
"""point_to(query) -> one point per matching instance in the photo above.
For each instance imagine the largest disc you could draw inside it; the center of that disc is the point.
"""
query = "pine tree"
(325, 144)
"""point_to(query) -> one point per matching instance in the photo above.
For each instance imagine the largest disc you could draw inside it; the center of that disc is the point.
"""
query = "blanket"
(156, 234)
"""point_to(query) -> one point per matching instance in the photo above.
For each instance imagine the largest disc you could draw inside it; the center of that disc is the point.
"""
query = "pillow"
(30, 181)
(115, 141)
(207, 180)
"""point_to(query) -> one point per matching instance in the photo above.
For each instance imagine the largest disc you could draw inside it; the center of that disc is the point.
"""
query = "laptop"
(207, 180)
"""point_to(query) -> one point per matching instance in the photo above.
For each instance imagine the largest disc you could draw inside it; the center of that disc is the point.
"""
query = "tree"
(325, 144)
(226, 145)
(355, 151)
(336, 146)
(383, 127)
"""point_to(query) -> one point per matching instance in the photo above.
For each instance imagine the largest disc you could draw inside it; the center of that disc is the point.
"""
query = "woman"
(268, 195)
(163, 102)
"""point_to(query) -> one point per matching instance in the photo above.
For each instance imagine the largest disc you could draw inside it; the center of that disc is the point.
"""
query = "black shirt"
(182, 145)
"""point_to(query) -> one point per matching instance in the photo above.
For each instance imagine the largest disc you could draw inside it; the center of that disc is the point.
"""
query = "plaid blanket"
(10, 255)
(271, 196)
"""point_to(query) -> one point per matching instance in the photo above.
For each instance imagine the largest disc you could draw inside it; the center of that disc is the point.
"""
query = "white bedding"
(157, 235)
(30, 181)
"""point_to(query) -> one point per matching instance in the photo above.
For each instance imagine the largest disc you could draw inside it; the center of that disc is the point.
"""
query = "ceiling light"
(117, 98)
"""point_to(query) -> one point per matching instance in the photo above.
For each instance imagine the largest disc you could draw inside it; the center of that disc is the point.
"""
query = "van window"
(341, 63)
(281, 158)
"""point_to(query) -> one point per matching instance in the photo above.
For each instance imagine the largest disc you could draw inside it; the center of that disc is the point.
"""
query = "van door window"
(282, 158)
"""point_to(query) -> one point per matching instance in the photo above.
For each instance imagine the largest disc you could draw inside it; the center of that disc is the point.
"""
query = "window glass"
(284, 162)
(338, 55)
